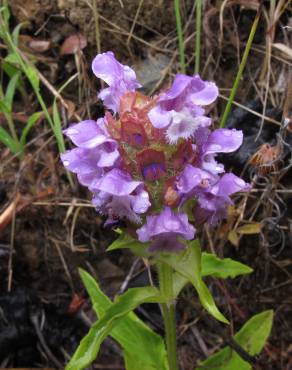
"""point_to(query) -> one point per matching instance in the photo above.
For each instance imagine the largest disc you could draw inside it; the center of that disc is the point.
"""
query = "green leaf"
(4, 108)
(251, 228)
(32, 76)
(8, 141)
(30, 123)
(251, 337)
(188, 264)
(12, 85)
(222, 268)
(15, 33)
(126, 241)
(134, 363)
(12, 58)
(216, 267)
(6, 14)
(58, 128)
(90, 344)
(140, 343)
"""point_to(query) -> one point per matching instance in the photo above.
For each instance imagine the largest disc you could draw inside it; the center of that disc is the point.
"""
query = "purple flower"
(89, 133)
(208, 144)
(213, 202)
(188, 91)
(119, 77)
(117, 195)
(191, 178)
(211, 191)
(178, 109)
(95, 150)
(165, 229)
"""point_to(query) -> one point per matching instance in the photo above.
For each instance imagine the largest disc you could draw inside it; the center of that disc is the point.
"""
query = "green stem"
(180, 36)
(198, 35)
(165, 274)
(241, 69)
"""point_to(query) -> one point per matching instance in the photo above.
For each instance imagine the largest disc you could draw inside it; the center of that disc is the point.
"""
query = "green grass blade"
(180, 36)
(15, 33)
(29, 125)
(10, 90)
(8, 141)
(198, 35)
(57, 128)
(240, 70)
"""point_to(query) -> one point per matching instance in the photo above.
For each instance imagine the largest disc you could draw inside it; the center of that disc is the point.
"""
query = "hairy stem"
(165, 274)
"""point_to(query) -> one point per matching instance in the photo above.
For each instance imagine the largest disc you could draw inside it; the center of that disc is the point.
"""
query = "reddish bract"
(184, 154)
(152, 164)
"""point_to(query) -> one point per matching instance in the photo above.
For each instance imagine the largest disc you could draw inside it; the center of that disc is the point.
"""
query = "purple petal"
(184, 125)
(125, 206)
(211, 165)
(166, 222)
(223, 141)
(190, 178)
(159, 117)
(83, 162)
(108, 158)
(202, 215)
(166, 243)
(88, 133)
(202, 92)
(119, 77)
(140, 202)
(111, 98)
(179, 85)
(79, 160)
(121, 207)
(228, 185)
(106, 67)
(117, 182)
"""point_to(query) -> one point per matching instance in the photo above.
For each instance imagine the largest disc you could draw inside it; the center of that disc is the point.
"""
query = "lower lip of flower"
(154, 171)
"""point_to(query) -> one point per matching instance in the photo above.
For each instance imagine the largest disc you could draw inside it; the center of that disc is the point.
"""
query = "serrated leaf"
(188, 264)
(222, 268)
(252, 228)
(89, 346)
(213, 266)
(141, 345)
(251, 337)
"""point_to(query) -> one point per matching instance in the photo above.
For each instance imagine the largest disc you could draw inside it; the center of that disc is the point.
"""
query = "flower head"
(150, 155)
